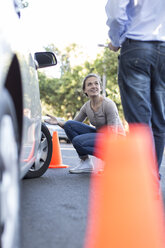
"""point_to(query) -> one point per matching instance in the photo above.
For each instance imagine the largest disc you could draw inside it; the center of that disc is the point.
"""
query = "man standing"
(138, 28)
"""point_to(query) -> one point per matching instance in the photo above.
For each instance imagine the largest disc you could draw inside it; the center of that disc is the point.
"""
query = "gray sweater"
(106, 115)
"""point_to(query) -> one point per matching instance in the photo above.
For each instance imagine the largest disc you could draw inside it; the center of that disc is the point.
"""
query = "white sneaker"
(98, 165)
(85, 166)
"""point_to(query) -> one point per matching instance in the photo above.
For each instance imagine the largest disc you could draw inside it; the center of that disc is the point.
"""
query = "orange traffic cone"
(56, 161)
(126, 207)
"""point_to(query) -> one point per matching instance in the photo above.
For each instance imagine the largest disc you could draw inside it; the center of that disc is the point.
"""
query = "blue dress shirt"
(135, 19)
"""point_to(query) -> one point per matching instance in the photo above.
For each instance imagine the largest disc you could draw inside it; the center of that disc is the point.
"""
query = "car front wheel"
(44, 154)
(9, 174)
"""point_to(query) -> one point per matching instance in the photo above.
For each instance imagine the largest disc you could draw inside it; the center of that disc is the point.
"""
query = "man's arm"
(117, 21)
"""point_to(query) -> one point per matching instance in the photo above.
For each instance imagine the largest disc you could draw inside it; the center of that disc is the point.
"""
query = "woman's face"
(92, 87)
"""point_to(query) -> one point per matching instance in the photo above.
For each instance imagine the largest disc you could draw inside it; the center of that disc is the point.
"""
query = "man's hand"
(113, 48)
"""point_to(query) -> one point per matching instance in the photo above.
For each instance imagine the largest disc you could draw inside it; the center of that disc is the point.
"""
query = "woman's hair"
(88, 76)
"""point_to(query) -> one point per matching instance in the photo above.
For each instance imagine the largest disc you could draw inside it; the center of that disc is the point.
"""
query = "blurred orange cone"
(126, 207)
(56, 161)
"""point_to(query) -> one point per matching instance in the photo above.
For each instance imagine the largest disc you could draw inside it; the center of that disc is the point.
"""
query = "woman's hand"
(53, 120)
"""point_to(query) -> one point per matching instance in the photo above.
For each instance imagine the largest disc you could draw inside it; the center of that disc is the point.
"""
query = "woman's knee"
(76, 141)
(67, 125)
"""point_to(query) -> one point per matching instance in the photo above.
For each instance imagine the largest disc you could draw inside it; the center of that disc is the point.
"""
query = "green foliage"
(63, 96)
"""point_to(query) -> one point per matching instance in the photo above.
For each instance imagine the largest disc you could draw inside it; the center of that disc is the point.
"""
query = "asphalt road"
(54, 207)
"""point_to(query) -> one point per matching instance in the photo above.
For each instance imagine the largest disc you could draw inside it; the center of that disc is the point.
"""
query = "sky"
(63, 22)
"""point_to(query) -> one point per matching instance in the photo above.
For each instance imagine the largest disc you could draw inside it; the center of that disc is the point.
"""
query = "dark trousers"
(141, 81)
(82, 137)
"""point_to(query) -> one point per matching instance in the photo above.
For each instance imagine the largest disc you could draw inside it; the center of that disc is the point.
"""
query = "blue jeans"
(141, 80)
(82, 137)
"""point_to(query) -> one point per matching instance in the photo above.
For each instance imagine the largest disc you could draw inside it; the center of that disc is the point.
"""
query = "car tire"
(9, 174)
(44, 155)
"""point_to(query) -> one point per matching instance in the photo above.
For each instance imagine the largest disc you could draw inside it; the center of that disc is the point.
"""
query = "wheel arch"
(13, 84)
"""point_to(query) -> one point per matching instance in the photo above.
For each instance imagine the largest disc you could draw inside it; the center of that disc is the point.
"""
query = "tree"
(109, 66)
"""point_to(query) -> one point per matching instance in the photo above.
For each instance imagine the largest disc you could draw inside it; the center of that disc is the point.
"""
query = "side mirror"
(45, 59)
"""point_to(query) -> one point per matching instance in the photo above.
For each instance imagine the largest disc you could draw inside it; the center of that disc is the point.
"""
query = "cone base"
(58, 166)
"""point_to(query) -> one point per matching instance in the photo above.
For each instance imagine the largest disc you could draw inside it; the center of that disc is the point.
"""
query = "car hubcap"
(41, 154)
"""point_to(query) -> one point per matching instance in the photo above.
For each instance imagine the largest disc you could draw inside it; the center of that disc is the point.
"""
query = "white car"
(25, 143)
